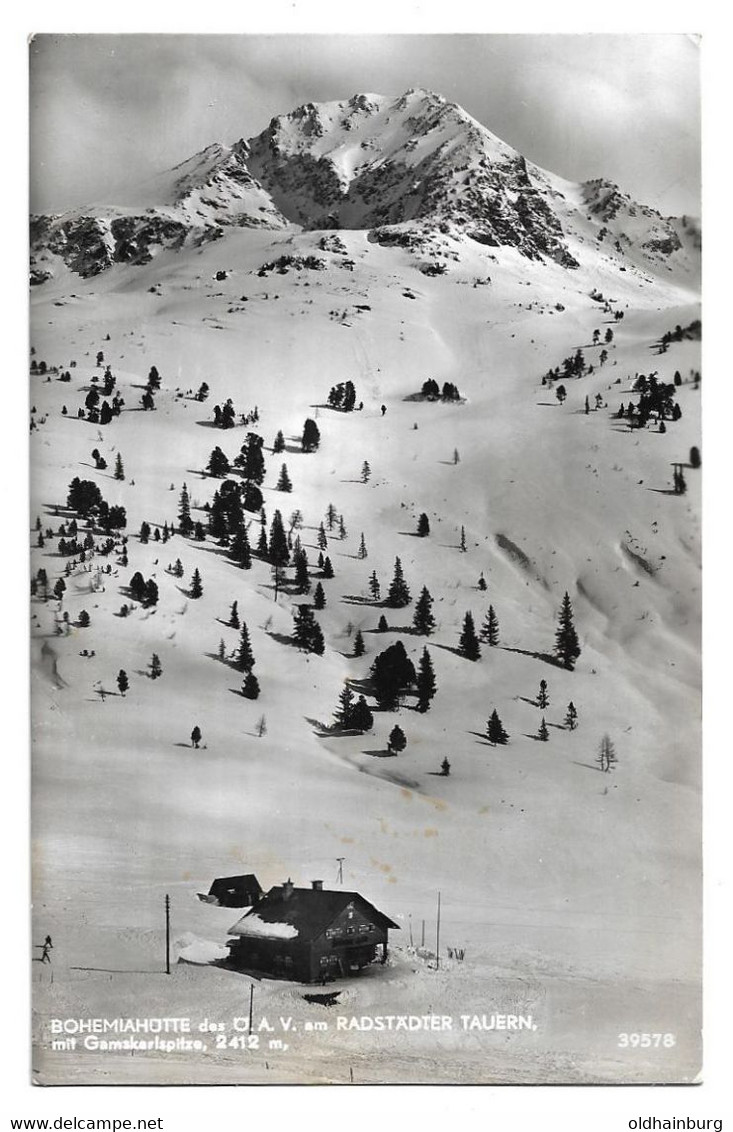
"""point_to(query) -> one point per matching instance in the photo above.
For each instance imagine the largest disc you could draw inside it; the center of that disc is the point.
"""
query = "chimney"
(317, 885)
(288, 887)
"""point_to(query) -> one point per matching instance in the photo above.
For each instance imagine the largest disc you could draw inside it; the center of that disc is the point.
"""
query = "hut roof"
(307, 910)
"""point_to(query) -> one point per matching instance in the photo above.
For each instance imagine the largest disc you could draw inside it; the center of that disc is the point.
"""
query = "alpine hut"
(309, 934)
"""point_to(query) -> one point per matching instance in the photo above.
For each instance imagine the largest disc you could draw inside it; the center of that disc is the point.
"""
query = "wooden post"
(422, 935)
(167, 934)
(437, 937)
(251, 1004)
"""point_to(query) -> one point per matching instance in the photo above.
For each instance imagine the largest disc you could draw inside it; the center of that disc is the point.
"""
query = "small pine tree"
(362, 551)
(426, 686)
(567, 647)
(445, 768)
(543, 734)
(382, 625)
(359, 646)
(84, 619)
(196, 736)
(361, 716)
(222, 650)
(322, 538)
(374, 587)
(327, 568)
(319, 597)
(571, 717)
(251, 687)
(342, 527)
(156, 668)
(234, 616)
(397, 740)
(144, 532)
(423, 525)
(366, 471)
(119, 467)
(468, 644)
(423, 620)
(542, 697)
(283, 483)
(463, 540)
(279, 443)
(482, 583)
(456, 456)
(122, 682)
(261, 726)
(398, 595)
(495, 730)
(345, 709)
(244, 660)
(185, 523)
(197, 588)
(178, 568)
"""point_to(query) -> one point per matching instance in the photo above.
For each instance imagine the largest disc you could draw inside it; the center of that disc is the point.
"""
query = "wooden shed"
(235, 892)
(310, 934)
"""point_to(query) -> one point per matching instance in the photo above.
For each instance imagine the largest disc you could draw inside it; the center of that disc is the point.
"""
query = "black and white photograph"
(364, 384)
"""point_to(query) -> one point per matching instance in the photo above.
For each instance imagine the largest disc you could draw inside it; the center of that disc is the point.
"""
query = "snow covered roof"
(305, 912)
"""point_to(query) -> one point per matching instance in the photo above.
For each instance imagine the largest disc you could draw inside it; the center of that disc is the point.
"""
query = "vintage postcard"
(365, 536)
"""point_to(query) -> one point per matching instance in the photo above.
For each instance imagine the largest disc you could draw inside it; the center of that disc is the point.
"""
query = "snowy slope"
(575, 894)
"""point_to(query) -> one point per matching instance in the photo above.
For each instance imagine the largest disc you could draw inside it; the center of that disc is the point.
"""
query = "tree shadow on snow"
(547, 657)
(588, 766)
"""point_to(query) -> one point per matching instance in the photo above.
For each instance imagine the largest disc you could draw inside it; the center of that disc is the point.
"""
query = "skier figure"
(46, 947)
(384, 409)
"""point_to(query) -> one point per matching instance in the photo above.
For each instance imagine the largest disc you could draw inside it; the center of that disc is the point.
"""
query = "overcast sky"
(107, 111)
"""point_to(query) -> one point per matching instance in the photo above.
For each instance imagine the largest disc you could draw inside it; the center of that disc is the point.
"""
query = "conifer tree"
(279, 553)
(234, 615)
(322, 538)
(468, 644)
(426, 686)
(196, 736)
(345, 709)
(398, 595)
(366, 471)
(197, 588)
(319, 597)
(423, 525)
(463, 540)
(393, 674)
(397, 740)
(359, 646)
(156, 668)
(331, 516)
(495, 730)
(84, 619)
(137, 586)
(178, 568)
(283, 483)
(221, 651)
(185, 523)
(543, 734)
(382, 624)
(423, 620)
(445, 767)
(119, 468)
(374, 587)
(144, 531)
(251, 686)
(218, 465)
(279, 443)
(150, 595)
(311, 436)
(302, 577)
(571, 717)
(362, 551)
(361, 716)
(239, 549)
(307, 632)
(342, 527)
(567, 647)
(327, 568)
(122, 682)
(482, 582)
(542, 697)
(244, 659)
(262, 548)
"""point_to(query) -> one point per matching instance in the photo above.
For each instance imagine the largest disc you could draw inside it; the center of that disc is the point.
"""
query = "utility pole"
(437, 938)
(167, 934)
(340, 876)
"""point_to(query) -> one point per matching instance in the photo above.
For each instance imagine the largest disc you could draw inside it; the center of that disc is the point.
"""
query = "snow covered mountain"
(567, 892)
(416, 171)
